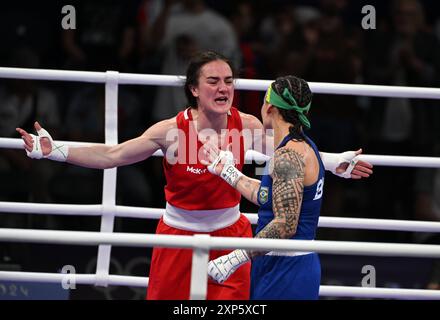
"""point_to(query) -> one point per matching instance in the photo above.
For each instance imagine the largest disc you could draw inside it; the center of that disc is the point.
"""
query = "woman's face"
(215, 89)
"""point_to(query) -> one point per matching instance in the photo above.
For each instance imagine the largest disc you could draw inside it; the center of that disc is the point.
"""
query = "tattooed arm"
(287, 194)
(248, 188)
(217, 162)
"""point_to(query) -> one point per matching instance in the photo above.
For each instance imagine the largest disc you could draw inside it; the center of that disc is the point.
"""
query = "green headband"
(288, 103)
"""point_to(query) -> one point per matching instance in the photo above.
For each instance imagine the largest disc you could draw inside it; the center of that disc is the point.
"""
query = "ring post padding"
(199, 269)
(109, 180)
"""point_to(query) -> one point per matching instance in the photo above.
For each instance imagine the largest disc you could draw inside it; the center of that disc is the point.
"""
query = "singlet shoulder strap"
(234, 119)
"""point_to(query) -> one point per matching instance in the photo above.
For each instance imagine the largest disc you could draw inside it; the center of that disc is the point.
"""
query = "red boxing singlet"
(190, 185)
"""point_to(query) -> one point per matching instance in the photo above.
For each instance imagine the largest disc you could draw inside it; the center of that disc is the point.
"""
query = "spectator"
(244, 22)
(182, 28)
(406, 55)
(105, 36)
(330, 57)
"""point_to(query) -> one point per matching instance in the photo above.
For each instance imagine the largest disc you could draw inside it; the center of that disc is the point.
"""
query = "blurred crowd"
(318, 40)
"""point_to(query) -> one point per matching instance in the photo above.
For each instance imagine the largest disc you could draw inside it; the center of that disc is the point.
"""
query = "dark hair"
(193, 72)
(300, 90)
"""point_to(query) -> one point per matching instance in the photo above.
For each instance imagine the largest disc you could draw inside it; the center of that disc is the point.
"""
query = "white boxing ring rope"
(155, 213)
(201, 244)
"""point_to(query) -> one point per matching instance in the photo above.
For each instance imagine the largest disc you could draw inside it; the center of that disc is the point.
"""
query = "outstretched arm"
(221, 163)
(339, 164)
(347, 164)
(97, 156)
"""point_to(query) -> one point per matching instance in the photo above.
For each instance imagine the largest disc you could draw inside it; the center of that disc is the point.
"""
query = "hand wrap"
(59, 151)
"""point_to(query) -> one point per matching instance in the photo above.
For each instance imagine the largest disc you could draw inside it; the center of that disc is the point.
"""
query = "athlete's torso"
(189, 184)
(311, 204)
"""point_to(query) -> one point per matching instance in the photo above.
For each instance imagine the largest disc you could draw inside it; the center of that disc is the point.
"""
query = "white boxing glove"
(229, 173)
(333, 160)
(59, 151)
(220, 269)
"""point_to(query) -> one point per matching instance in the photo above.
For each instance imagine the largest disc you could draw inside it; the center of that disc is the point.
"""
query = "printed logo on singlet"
(319, 189)
(195, 170)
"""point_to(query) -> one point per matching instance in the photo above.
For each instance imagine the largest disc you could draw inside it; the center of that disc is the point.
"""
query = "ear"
(194, 91)
(270, 109)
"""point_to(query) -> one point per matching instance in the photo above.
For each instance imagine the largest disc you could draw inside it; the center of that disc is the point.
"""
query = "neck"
(281, 130)
(210, 121)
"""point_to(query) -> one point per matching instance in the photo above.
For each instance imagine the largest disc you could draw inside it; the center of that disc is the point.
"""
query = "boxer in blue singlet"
(289, 275)
(289, 195)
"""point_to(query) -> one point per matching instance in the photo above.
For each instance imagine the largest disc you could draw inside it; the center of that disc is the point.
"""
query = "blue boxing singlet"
(289, 275)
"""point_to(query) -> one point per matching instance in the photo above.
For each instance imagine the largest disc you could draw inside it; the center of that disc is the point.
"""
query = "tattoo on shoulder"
(287, 189)
(288, 164)
(287, 194)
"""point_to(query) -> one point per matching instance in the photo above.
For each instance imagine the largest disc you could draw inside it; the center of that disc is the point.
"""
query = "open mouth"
(221, 100)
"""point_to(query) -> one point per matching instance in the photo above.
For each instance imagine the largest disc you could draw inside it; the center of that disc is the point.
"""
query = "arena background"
(321, 41)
